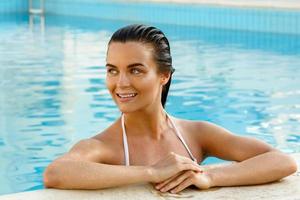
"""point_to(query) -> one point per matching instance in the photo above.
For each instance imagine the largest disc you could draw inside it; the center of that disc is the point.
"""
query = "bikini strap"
(181, 138)
(125, 143)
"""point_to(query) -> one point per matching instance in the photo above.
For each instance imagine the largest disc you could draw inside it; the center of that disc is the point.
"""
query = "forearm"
(88, 175)
(264, 168)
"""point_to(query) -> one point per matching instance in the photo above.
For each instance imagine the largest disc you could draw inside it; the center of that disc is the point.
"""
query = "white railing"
(33, 10)
(36, 14)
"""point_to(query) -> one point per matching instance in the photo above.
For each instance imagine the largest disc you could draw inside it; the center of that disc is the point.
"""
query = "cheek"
(109, 84)
(149, 84)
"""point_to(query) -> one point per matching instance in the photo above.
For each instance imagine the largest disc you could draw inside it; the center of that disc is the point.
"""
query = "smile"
(126, 96)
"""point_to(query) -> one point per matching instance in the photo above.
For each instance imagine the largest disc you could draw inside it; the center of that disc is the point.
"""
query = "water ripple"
(53, 93)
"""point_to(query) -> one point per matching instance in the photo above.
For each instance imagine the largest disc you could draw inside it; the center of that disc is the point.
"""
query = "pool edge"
(277, 190)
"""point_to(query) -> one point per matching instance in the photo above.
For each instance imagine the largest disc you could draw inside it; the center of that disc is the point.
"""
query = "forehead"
(129, 52)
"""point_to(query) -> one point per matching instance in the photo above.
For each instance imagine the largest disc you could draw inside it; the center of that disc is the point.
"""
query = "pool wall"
(13, 10)
(232, 18)
(13, 6)
(262, 20)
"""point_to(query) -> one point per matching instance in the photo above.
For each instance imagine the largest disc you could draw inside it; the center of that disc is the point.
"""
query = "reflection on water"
(52, 89)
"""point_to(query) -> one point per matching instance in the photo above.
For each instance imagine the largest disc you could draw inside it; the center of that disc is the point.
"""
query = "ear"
(164, 77)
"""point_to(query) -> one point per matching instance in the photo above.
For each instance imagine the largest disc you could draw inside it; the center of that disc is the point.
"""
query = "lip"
(126, 99)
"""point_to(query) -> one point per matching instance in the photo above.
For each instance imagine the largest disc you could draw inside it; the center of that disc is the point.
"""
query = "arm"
(264, 168)
(70, 174)
(257, 162)
(81, 168)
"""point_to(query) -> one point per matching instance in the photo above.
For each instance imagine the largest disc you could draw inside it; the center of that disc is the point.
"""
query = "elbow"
(50, 176)
(290, 165)
(293, 166)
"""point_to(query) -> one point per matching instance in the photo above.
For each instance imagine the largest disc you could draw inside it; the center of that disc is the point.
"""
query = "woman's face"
(132, 77)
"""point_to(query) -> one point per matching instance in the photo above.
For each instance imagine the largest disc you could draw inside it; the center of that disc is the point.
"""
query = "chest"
(144, 151)
(147, 151)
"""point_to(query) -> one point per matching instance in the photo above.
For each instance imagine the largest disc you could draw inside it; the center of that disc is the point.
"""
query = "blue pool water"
(52, 90)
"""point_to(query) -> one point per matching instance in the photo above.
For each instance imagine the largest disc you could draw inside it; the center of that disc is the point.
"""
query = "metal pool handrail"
(39, 10)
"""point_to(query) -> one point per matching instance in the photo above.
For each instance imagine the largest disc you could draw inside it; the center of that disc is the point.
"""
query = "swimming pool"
(52, 90)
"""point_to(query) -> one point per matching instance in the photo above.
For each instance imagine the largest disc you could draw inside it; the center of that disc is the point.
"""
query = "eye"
(136, 71)
(112, 71)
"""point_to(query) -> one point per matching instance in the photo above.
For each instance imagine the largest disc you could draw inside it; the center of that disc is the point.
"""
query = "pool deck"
(285, 4)
(287, 189)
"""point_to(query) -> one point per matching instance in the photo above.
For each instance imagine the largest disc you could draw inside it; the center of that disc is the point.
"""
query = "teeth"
(127, 95)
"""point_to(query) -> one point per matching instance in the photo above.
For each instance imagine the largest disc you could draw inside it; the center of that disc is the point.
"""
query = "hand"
(175, 184)
(172, 165)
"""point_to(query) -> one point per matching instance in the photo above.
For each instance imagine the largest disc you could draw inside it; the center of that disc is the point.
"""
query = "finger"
(184, 168)
(182, 160)
(163, 183)
(186, 183)
(185, 159)
(194, 167)
(177, 181)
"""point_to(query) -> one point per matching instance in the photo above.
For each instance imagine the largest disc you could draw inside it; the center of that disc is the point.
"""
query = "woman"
(146, 144)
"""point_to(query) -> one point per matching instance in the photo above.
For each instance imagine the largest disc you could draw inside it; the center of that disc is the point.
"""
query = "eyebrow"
(129, 66)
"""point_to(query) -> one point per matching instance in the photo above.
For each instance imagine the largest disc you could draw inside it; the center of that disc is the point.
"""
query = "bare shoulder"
(202, 132)
(198, 128)
(85, 149)
(110, 135)
(203, 129)
(219, 142)
(194, 130)
(98, 148)
(205, 132)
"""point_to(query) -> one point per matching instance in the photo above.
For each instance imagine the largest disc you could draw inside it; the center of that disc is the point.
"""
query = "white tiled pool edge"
(286, 4)
(235, 15)
(198, 15)
(287, 188)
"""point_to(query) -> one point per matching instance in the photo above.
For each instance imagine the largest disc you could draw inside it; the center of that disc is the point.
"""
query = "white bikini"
(125, 143)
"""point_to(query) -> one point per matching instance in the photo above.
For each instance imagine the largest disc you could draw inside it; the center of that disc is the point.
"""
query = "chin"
(127, 109)
(132, 106)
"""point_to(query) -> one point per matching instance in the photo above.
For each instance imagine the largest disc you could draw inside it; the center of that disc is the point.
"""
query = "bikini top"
(125, 143)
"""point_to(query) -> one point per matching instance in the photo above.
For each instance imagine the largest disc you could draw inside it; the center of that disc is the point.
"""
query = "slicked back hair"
(149, 35)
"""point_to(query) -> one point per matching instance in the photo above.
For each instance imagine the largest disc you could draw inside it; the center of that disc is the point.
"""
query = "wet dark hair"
(155, 37)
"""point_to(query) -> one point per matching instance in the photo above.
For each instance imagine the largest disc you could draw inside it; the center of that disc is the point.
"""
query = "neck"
(146, 123)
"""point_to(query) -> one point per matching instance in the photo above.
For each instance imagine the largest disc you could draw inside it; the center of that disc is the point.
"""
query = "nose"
(123, 80)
